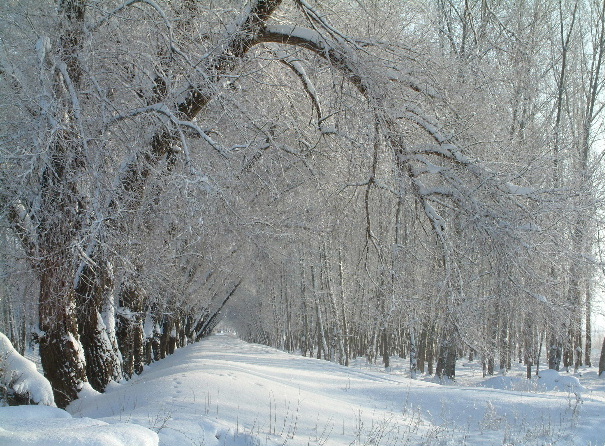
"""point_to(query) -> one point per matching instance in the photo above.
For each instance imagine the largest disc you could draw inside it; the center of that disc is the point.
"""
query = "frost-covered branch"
(298, 69)
(164, 110)
(415, 157)
(127, 4)
(21, 222)
(316, 17)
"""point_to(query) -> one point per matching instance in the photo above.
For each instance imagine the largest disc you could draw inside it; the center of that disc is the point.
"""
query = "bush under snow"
(49, 426)
(19, 376)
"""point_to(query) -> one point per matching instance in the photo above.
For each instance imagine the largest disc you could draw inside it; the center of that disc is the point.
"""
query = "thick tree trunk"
(95, 287)
(422, 349)
(60, 211)
(446, 362)
(338, 324)
(528, 347)
(60, 349)
(343, 313)
(504, 346)
(385, 348)
(306, 346)
(172, 337)
(156, 342)
(125, 344)
(555, 351)
(61, 352)
(322, 346)
(430, 349)
(165, 337)
(490, 365)
(568, 351)
(130, 333)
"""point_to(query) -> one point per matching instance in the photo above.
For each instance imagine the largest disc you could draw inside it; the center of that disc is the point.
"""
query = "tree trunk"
(413, 354)
(568, 349)
(94, 289)
(430, 349)
(60, 349)
(343, 313)
(165, 337)
(555, 351)
(504, 348)
(528, 349)
(490, 365)
(588, 344)
(130, 333)
(602, 359)
(322, 345)
(446, 362)
(422, 349)
(385, 348)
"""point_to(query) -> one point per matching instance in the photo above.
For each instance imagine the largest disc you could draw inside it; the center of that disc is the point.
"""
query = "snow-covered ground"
(225, 392)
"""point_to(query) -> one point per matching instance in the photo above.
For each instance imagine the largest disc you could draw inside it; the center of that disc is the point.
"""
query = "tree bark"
(60, 349)
(602, 359)
(385, 348)
(413, 354)
(446, 362)
(588, 344)
(95, 287)
(130, 333)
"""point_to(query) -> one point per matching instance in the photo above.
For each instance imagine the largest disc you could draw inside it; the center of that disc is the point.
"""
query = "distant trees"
(344, 167)
(495, 275)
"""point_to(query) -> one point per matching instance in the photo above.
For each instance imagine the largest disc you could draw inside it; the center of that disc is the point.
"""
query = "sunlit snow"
(225, 392)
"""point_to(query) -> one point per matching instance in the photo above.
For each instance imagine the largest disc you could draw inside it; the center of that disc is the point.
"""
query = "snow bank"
(515, 383)
(21, 376)
(553, 380)
(548, 381)
(49, 426)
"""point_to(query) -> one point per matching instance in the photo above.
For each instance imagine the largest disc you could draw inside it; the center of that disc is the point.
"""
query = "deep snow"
(21, 375)
(223, 391)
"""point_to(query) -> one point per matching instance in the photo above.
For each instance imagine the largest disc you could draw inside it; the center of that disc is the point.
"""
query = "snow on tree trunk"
(102, 357)
(446, 362)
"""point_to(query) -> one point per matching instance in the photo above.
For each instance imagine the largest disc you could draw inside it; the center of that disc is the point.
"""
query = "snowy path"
(223, 391)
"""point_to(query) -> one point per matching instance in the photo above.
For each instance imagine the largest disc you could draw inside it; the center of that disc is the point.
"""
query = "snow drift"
(19, 375)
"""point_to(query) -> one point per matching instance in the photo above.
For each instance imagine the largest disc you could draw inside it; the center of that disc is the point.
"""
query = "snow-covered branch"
(164, 110)
(125, 5)
(296, 66)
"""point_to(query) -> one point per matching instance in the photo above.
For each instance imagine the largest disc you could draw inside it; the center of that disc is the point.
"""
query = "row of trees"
(372, 280)
(342, 173)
